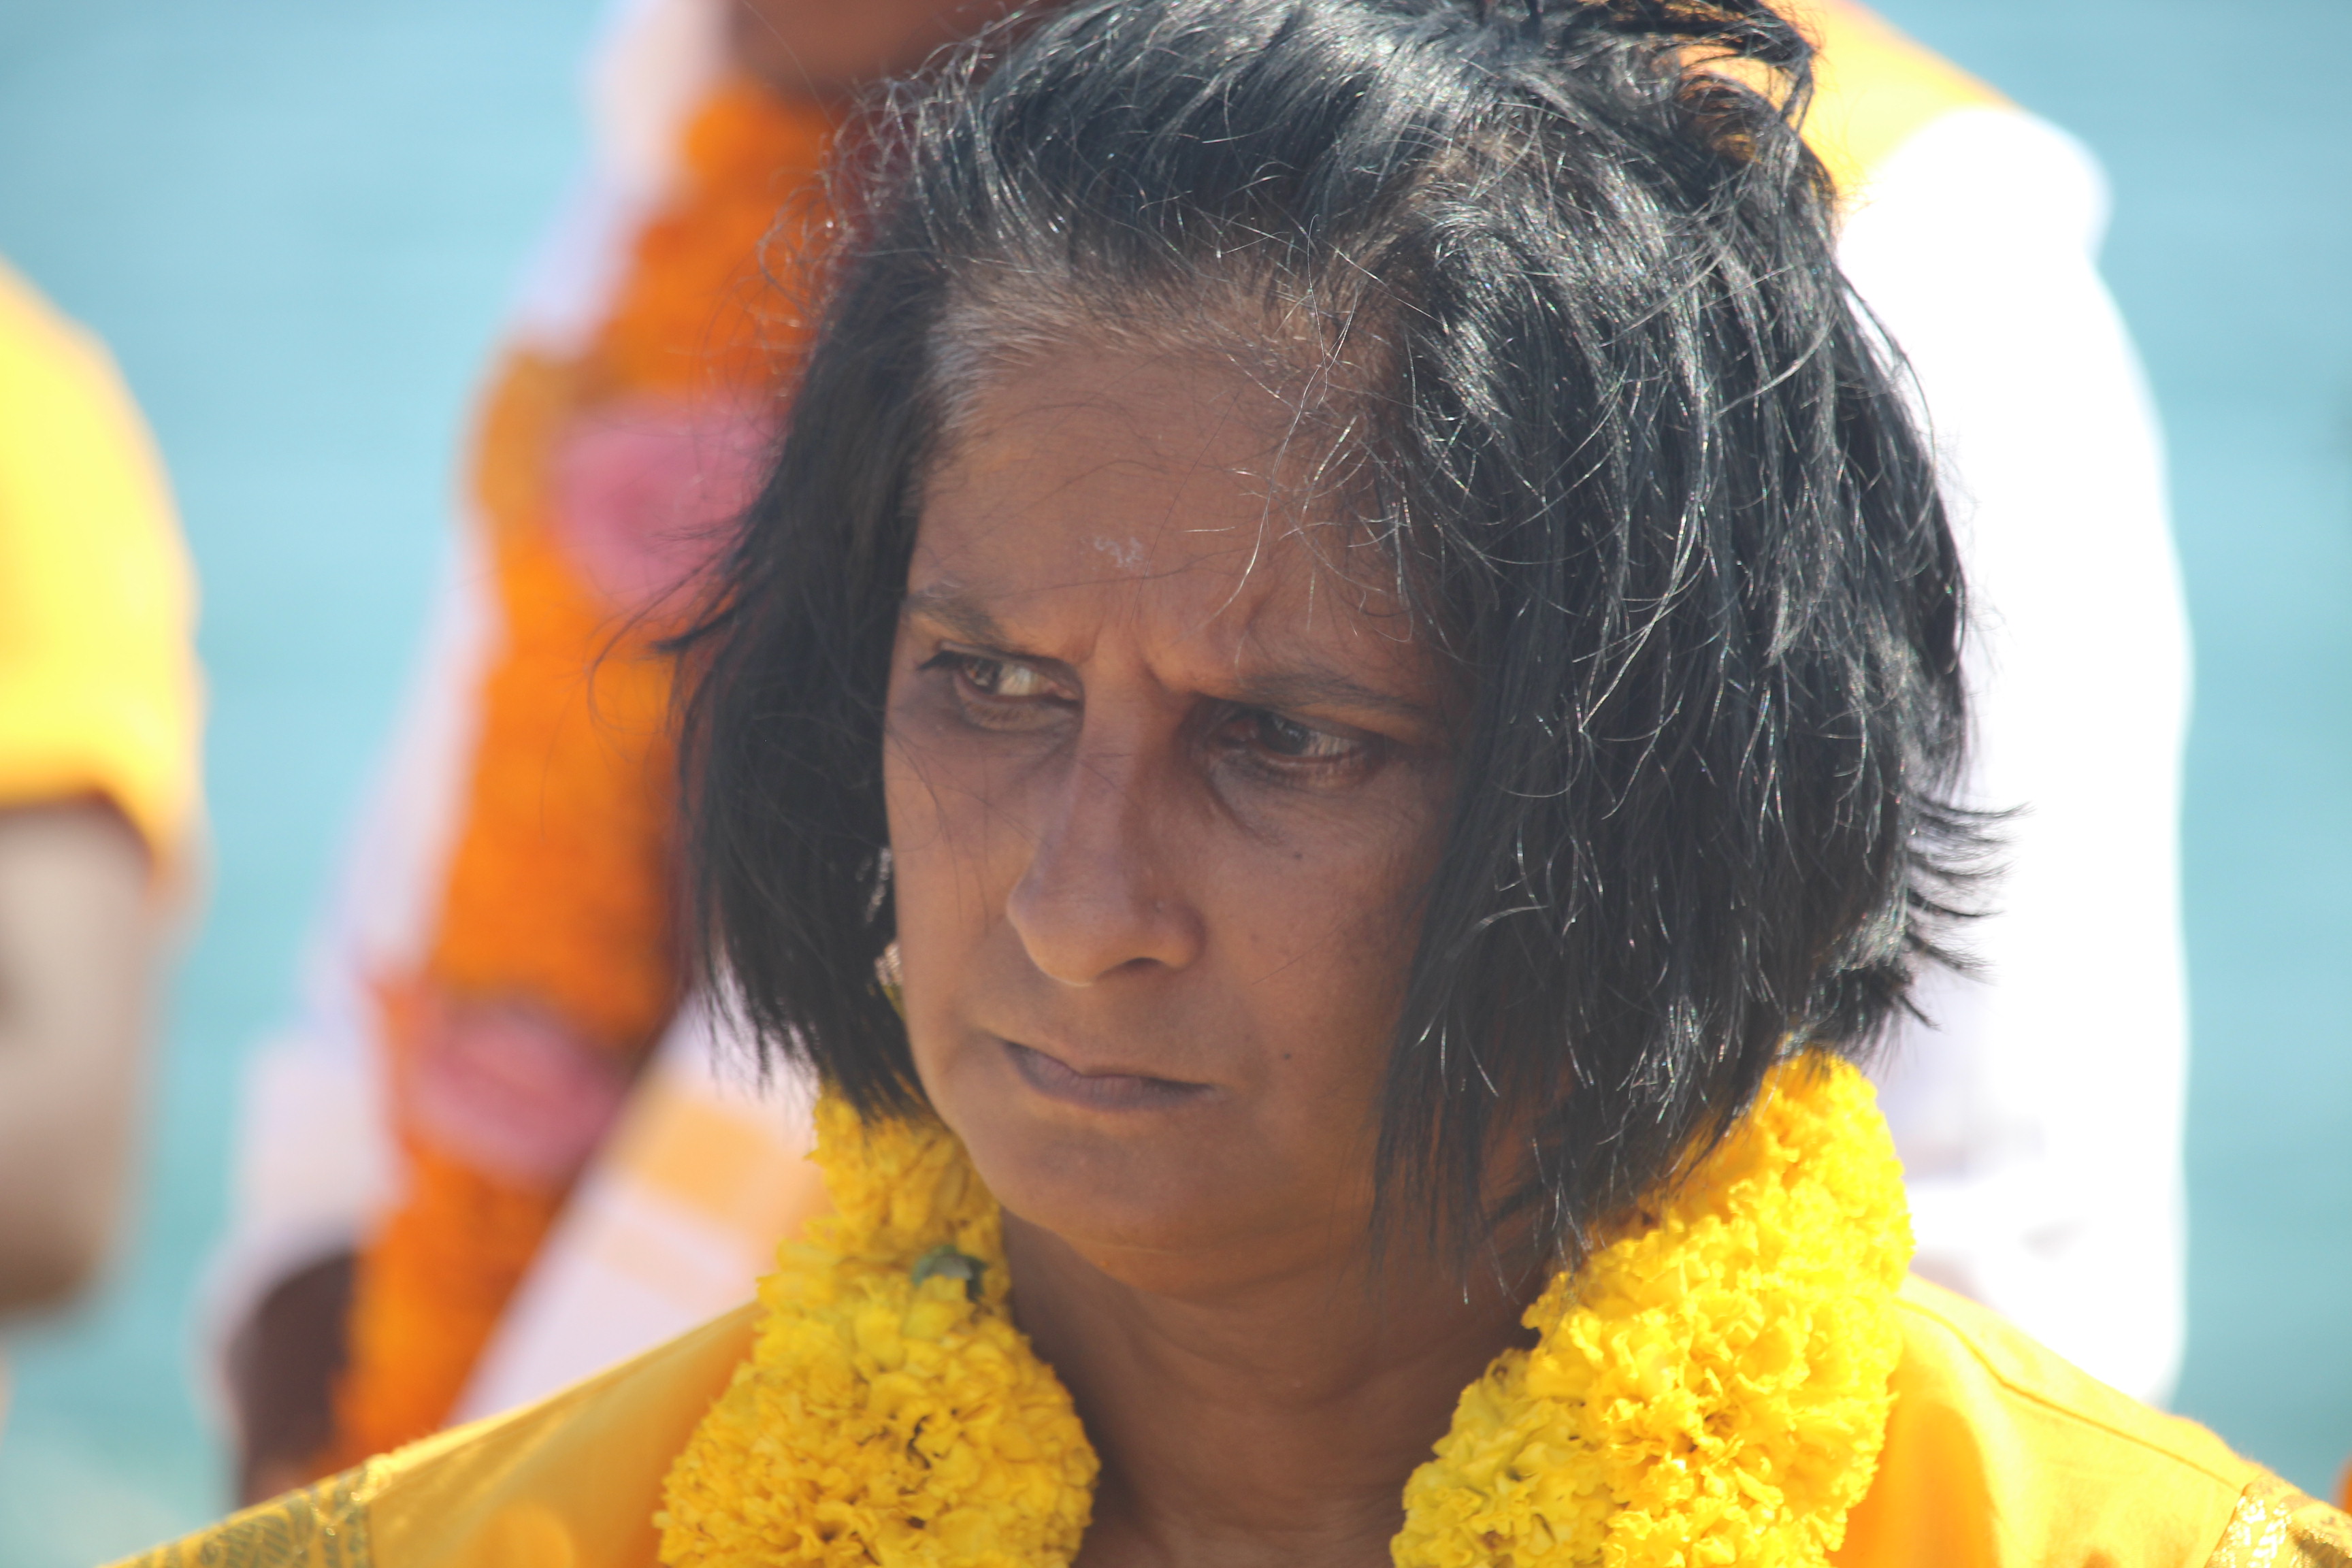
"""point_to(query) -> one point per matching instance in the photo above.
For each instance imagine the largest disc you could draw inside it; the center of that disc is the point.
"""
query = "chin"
(1100, 1190)
(1170, 1196)
(1145, 1216)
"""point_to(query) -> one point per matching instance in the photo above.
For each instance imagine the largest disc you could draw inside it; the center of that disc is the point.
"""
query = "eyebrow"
(1316, 687)
(953, 608)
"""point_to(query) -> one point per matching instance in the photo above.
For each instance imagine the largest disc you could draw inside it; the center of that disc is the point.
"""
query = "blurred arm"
(280, 1367)
(78, 946)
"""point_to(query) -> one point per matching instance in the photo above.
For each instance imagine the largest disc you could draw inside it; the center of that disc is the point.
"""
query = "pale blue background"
(296, 223)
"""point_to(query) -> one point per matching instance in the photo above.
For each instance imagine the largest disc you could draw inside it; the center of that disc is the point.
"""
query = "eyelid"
(1063, 689)
(1336, 728)
(1048, 671)
(1353, 747)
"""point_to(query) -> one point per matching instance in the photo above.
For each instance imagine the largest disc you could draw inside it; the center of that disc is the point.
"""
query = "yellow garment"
(2001, 1452)
(98, 689)
(2000, 1456)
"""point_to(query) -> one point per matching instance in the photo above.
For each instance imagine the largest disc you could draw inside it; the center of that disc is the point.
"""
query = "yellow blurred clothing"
(100, 694)
(2000, 1455)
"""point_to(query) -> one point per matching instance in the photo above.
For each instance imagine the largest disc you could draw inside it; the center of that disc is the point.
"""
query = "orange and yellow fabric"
(2000, 1452)
(1999, 1455)
(100, 695)
(1745, 1375)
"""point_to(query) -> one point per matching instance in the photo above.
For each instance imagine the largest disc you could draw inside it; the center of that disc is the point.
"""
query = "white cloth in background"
(677, 1217)
(2040, 1121)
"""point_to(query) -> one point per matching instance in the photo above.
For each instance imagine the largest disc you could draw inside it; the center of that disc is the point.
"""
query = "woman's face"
(1163, 780)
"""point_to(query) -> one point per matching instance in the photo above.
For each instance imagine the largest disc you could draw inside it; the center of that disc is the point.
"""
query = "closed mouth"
(1057, 1080)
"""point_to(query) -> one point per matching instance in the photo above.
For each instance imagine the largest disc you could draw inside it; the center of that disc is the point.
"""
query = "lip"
(1057, 1080)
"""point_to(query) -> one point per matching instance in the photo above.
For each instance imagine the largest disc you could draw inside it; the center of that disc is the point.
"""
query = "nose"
(1099, 896)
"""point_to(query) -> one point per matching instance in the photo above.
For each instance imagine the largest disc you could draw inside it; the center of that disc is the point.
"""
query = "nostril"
(1083, 919)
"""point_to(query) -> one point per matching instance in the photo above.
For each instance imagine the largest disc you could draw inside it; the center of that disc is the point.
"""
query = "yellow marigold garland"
(1710, 1389)
(883, 1418)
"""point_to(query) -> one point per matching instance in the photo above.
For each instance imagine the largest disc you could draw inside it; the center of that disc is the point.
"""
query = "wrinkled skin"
(1165, 772)
(1161, 783)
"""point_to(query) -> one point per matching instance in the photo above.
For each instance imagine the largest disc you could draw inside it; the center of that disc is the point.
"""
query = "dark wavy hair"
(1642, 465)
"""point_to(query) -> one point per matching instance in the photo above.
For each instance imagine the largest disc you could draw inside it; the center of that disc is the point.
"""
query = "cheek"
(1320, 927)
(950, 857)
(917, 800)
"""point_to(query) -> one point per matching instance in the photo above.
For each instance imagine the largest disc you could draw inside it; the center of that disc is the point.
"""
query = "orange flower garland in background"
(711, 302)
(557, 942)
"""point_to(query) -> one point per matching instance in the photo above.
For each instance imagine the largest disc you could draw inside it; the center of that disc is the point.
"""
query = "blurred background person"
(417, 1238)
(99, 721)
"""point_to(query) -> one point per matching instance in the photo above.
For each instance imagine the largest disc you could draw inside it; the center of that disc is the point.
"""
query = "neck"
(1271, 1420)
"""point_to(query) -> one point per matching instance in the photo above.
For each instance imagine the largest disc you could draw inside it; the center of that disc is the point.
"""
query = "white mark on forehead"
(1126, 555)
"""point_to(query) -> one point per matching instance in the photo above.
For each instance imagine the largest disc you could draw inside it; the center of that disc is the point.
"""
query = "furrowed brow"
(954, 609)
(951, 607)
(1326, 689)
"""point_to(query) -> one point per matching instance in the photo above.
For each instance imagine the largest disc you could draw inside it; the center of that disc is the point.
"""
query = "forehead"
(1180, 492)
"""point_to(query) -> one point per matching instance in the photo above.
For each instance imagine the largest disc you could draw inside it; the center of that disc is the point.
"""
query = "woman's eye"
(1003, 678)
(1294, 741)
(1000, 693)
